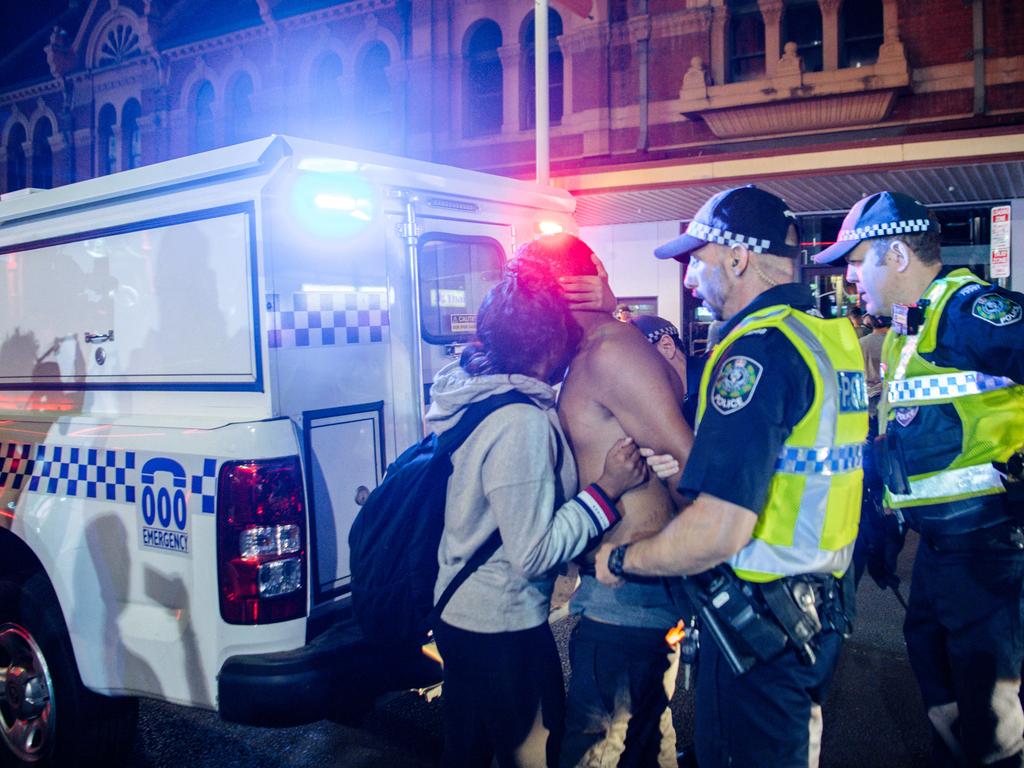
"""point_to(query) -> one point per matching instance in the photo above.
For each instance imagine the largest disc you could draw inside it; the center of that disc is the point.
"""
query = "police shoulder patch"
(996, 309)
(735, 385)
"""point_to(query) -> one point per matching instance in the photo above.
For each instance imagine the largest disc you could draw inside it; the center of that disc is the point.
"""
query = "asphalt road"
(873, 718)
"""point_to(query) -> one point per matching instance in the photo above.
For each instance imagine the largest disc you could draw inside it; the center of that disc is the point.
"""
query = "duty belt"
(1005, 537)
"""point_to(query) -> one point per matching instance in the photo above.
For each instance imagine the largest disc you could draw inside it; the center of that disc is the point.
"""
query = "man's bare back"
(618, 385)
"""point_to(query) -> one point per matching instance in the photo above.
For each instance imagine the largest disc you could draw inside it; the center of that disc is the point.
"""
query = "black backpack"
(395, 537)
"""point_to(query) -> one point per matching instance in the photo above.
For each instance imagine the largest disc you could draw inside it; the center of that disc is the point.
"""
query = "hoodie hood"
(454, 389)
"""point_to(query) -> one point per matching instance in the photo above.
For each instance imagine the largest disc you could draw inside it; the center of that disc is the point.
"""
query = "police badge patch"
(735, 385)
(904, 416)
(996, 309)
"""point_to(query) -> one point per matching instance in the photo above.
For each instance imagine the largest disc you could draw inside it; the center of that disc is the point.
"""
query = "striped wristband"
(601, 509)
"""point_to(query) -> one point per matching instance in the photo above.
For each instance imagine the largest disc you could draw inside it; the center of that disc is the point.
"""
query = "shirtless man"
(623, 672)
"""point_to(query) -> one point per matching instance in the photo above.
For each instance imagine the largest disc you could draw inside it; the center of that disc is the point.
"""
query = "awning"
(939, 171)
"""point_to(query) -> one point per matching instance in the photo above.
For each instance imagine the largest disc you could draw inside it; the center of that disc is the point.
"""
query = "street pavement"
(873, 717)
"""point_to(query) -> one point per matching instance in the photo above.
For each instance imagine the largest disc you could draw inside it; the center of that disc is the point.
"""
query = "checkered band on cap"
(665, 330)
(820, 461)
(724, 237)
(882, 230)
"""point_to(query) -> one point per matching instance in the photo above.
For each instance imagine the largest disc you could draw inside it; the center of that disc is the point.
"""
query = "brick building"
(654, 103)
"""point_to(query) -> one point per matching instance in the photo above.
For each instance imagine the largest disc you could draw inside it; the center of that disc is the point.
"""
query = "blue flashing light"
(333, 204)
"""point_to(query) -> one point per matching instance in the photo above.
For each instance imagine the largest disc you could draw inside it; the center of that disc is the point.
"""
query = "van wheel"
(47, 717)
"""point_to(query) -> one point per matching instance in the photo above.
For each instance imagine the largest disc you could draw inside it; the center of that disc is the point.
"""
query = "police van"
(205, 366)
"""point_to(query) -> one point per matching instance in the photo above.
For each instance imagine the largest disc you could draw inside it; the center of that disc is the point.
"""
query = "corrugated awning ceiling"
(932, 185)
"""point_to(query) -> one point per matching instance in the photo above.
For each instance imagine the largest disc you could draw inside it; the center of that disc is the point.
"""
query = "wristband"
(616, 561)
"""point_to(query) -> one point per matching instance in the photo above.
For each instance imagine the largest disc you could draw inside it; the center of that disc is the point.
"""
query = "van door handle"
(98, 338)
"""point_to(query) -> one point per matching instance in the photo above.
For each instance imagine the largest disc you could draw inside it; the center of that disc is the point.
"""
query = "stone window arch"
(861, 32)
(201, 112)
(373, 93)
(106, 140)
(42, 154)
(118, 43)
(240, 125)
(17, 163)
(325, 87)
(801, 24)
(482, 87)
(556, 72)
(745, 43)
(131, 134)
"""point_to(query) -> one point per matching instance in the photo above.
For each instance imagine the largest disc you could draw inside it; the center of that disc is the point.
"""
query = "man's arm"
(636, 387)
(703, 535)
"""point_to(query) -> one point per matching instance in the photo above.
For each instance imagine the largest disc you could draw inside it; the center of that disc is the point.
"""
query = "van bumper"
(336, 674)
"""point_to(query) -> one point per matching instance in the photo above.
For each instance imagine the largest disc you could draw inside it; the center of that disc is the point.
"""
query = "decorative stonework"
(801, 116)
(120, 44)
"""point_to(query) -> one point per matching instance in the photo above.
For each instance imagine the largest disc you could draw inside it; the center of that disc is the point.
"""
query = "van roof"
(263, 156)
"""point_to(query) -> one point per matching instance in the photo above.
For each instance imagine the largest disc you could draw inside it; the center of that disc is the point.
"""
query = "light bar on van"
(332, 204)
(549, 227)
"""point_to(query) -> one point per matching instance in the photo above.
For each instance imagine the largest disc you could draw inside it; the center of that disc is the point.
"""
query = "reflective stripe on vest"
(817, 464)
(974, 481)
(944, 386)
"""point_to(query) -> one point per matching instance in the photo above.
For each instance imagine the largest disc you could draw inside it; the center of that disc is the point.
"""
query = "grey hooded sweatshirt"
(504, 477)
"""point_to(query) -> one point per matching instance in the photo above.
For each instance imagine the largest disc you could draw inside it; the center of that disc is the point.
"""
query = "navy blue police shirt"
(981, 329)
(769, 389)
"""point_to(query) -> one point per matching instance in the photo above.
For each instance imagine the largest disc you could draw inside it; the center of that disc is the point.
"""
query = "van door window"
(455, 274)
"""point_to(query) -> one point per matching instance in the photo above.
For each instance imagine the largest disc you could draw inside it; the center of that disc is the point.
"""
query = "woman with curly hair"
(503, 690)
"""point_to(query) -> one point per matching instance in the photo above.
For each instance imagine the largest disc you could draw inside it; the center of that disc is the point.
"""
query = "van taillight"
(261, 541)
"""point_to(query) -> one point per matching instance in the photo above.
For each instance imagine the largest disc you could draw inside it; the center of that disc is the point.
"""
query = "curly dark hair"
(564, 254)
(520, 322)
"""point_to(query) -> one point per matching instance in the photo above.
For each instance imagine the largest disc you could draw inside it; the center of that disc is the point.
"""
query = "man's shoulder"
(983, 305)
(614, 347)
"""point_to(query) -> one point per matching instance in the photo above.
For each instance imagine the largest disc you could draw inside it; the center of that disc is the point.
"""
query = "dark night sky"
(25, 29)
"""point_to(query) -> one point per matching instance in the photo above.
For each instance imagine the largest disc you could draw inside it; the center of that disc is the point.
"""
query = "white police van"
(205, 364)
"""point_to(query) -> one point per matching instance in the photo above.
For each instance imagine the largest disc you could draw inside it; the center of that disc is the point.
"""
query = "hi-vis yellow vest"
(810, 519)
(990, 408)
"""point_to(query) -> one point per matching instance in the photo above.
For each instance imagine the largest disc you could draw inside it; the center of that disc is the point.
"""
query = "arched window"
(131, 136)
(17, 167)
(202, 118)
(528, 87)
(240, 126)
(325, 88)
(801, 24)
(106, 141)
(42, 155)
(746, 41)
(861, 32)
(482, 92)
(373, 94)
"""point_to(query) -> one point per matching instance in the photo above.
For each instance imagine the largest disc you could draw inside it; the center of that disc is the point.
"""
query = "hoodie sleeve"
(519, 482)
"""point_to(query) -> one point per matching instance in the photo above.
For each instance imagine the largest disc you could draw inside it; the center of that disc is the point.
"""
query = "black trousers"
(503, 697)
(766, 716)
(618, 708)
(965, 641)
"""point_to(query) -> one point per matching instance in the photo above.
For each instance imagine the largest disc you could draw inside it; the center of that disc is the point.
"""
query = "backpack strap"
(449, 442)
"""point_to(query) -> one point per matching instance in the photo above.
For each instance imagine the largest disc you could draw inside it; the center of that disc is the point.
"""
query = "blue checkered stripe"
(327, 319)
(93, 473)
(711, 234)
(820, 461)
(944, 386)
(884, 229)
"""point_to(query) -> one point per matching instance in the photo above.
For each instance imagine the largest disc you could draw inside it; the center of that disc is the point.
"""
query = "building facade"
(655, 104)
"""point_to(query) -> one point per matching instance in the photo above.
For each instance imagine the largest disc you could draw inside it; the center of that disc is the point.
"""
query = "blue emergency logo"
(853, 392)
(996, 309)
(734, 388)
(164, 507)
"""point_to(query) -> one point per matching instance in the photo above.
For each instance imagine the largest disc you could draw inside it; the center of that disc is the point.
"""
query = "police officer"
(775, 478)
(952, 405)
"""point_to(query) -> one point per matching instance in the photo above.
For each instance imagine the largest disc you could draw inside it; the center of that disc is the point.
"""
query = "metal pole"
(540, 68)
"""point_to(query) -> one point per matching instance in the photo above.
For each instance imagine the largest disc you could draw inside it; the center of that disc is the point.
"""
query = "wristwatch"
(616, 560)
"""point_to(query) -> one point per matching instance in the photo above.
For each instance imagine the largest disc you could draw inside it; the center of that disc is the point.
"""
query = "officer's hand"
(664, 465)
(624, 468)
(605, 576)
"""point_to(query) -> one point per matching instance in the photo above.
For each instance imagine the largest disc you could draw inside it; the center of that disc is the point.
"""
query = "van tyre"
(47, 717)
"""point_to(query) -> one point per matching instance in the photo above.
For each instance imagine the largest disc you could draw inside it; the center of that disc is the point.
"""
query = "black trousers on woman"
(503, 697)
